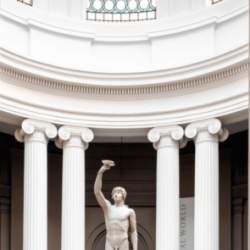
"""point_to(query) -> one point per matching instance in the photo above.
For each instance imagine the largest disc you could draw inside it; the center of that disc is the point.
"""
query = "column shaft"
(167, 205)
(73, 201)
(207, 193)
(206, 135)
(35, 192)
(35, 135)
(74, 141)
(167, 141)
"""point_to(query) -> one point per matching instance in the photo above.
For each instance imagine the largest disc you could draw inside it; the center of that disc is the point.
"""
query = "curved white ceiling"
(124, 77)
(139, 53)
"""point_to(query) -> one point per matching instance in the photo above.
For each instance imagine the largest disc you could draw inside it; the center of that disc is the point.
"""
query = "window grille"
(121, 10)
(27, 2)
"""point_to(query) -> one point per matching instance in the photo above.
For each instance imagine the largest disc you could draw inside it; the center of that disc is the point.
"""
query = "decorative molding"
(84, 88)
(174, 133)
(29, 126)
(231, 109)
(65, 133)
(212, 126)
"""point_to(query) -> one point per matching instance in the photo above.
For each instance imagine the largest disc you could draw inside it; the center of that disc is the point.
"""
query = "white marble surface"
(74, 141)
(207, 134)
(167, 141)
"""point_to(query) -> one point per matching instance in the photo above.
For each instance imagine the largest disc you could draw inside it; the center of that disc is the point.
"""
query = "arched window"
(121, 10)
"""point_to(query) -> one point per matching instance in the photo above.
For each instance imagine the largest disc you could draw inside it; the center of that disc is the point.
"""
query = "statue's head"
(119, 194)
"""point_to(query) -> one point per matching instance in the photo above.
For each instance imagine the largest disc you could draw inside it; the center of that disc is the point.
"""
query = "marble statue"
(120, 220)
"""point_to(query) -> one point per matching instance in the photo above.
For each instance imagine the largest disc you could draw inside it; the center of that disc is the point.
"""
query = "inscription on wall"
(187, 224)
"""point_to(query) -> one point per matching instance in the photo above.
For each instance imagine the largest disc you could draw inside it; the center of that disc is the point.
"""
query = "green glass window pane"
(121, 10)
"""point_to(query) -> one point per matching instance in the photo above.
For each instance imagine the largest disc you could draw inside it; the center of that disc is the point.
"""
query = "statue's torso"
(117, 223)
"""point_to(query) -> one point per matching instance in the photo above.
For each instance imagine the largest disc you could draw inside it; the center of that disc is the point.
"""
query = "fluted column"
(206, 135)
(167, 141)
(35, 135)
(74, 141)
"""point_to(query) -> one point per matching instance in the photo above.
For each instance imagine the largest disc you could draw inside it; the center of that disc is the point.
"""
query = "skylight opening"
(121, 10)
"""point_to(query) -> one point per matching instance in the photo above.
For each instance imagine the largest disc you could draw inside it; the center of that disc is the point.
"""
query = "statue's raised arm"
(103, 202)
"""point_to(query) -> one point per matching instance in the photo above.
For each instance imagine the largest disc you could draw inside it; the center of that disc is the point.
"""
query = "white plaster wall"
(62, 37)
(178, 49)
(14, 37)
(59, 7)
(120, 57)
(229, 35)
(60, 50)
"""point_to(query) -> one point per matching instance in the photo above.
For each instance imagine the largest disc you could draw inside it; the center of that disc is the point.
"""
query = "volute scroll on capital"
(212, 126)
(65, 133)
(30, 126)
(175, 133)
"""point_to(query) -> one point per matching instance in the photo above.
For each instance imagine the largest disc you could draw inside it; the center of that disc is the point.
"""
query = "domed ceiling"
(180, 65)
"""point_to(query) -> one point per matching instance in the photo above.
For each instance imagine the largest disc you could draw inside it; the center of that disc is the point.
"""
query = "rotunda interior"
(159, 87)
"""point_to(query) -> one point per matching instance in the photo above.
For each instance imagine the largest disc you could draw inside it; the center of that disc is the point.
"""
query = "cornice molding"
(157, 88)
(229, 110)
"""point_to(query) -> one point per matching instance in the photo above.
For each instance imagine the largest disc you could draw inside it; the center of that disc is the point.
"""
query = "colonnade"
(166, 140)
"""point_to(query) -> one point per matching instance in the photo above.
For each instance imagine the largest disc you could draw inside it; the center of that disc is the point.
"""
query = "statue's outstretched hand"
(107, 164)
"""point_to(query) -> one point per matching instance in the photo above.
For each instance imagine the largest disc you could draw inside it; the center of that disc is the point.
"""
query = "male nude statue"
(120, 220)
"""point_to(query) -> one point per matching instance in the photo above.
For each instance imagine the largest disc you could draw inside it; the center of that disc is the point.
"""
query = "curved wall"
(91, 47)
(124, 78)
(224, 96)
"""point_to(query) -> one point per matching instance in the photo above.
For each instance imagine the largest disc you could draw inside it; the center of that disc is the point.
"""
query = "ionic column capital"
(167, 136)
(34, 130)
(207, 130)
(74, 137)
